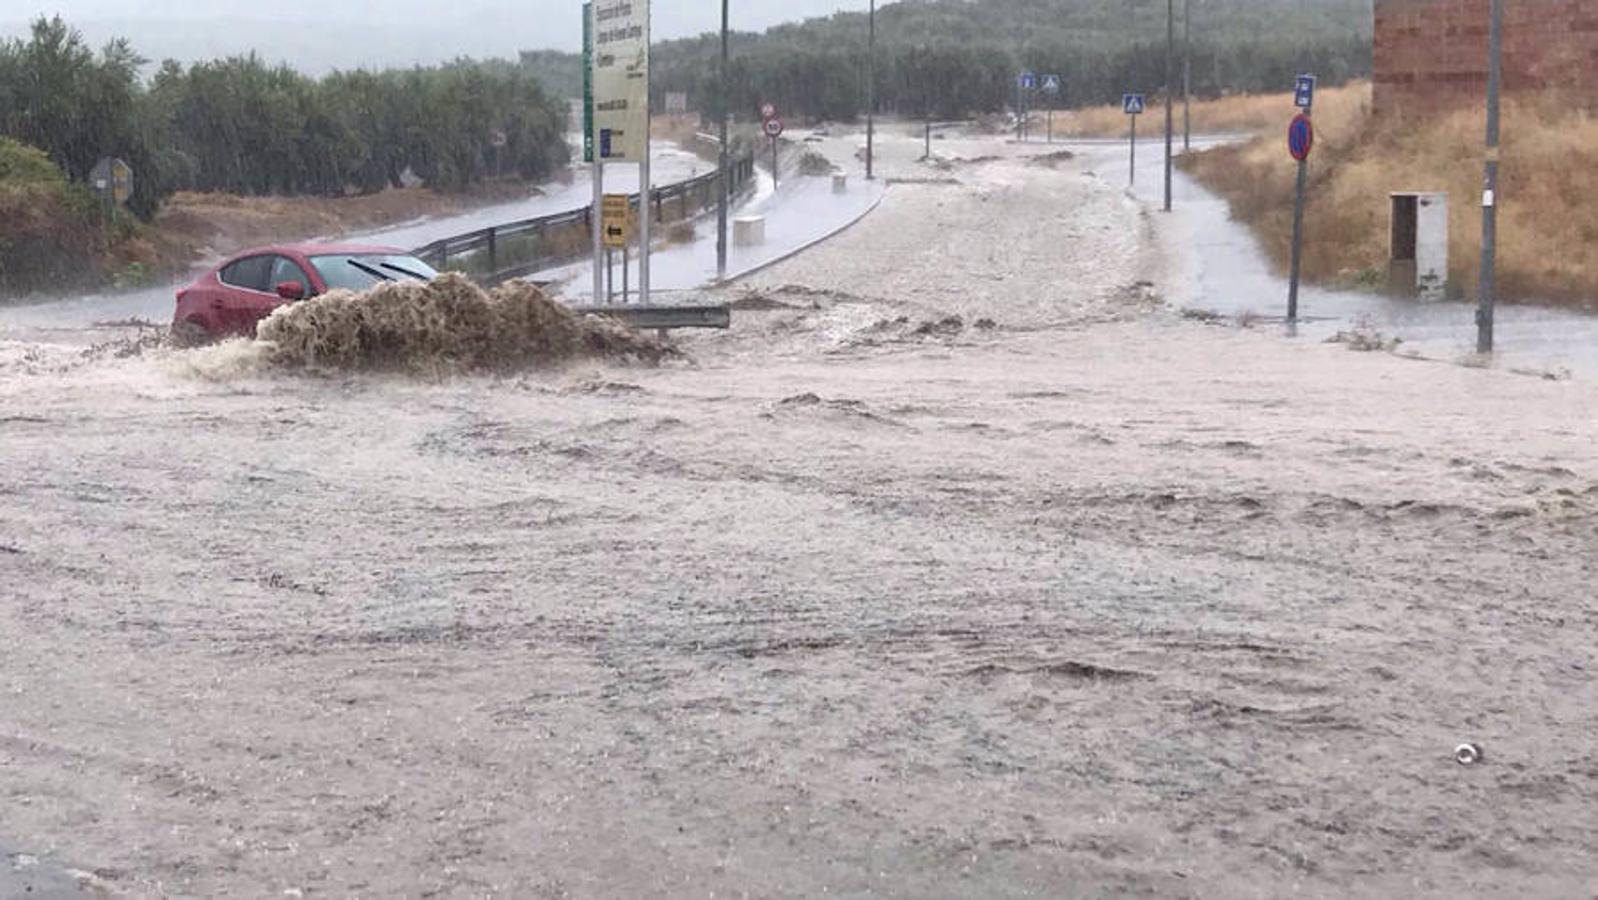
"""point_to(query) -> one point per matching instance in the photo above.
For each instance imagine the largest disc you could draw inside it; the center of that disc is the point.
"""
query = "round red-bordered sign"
(773, 128)
(768, 111)
(1300, 137)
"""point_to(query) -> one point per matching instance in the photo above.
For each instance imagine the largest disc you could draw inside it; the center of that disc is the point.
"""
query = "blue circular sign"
(1300, 137)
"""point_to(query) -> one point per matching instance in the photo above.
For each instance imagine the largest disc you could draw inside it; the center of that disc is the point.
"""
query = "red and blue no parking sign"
(1300, 137)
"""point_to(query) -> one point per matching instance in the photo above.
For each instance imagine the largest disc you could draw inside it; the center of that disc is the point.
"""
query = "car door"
(246, 293)
(284, 270)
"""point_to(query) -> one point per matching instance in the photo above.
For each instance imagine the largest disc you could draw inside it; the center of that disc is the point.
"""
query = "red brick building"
(1433, 53)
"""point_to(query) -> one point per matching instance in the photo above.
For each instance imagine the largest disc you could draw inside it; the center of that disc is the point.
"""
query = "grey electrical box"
(1418, 263)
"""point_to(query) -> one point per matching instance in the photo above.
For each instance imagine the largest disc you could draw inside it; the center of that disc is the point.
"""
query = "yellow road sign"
(121, 181)
(616, 220)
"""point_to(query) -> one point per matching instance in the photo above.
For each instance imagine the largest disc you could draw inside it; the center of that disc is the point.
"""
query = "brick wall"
(1430, 54)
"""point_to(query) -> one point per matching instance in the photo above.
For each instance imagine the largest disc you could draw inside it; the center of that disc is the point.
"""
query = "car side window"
(251, 273)
(285, 269)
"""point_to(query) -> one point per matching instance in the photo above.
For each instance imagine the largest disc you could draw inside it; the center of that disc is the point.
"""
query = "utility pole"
(871, 94)
(723, 110)
(1170, 85)
(1187, 75)
(1489, 195)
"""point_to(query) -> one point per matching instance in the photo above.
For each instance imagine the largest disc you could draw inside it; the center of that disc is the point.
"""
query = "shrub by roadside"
(1236, 114)
(52, 232)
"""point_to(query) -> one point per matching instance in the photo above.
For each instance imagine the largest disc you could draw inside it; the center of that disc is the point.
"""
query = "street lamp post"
(1170, 84)
(1187, 75)
(871, 94)
(723, 109)
(1489, 195)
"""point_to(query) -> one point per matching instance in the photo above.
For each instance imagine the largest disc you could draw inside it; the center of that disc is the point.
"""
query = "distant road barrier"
(518, 249)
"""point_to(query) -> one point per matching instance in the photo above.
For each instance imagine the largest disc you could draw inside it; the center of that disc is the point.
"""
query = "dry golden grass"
(1242, 113)
(1548, 239)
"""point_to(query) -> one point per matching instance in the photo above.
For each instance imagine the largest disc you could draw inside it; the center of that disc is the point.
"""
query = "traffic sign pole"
(600, 253)
(772, 127)
(723, 184)
(1298, 241)
(1019, 119)
(1170, 83)
(871, 101)
(1298, 206)
(1132, 105)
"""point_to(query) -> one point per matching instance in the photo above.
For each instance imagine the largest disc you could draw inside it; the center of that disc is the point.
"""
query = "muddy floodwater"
(964, 566)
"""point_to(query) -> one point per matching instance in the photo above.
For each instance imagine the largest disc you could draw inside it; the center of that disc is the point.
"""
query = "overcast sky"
(323, 34)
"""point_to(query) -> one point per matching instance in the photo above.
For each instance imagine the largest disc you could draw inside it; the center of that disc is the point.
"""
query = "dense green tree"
(954, 57)
(242, 126)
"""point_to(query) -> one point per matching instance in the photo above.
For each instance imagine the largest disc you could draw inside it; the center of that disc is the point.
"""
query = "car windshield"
(359, 271)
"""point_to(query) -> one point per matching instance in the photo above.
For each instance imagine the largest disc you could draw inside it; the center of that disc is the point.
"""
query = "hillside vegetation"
(1549, 169)
(236, 127)
(241, 126)
(950, 58)
(51, 231)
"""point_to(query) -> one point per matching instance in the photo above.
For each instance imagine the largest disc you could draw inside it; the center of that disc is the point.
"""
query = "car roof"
(316, 249)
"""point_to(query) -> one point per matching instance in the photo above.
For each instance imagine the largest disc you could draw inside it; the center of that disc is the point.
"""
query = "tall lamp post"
(1170, 85)
(871, 94)
(723, 109)
(1489, 195)
(1187, 75)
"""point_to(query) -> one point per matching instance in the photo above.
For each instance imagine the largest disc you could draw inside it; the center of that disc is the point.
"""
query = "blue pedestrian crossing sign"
(1051, 84)
(1028, 81)
(1132, 104)
(1304, 91)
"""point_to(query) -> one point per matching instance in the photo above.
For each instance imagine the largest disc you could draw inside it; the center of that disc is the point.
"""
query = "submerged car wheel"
(190, 333)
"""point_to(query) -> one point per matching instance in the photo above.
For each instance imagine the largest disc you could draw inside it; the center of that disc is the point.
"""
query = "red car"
(236, 295)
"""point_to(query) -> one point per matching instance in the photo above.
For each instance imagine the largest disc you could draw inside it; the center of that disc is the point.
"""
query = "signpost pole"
(1300, 139)
(774, 176)
(599, 248)
(1298, 241)
(1131, 180)
(724, 188)
(871, 102)
(1018, 109)
(646, 212)
(591, 155)
(1170, 85)
(1489, 196)
(645, 197)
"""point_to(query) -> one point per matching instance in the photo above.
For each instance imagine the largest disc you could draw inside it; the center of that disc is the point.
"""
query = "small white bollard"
(749, 231)
(840, 184)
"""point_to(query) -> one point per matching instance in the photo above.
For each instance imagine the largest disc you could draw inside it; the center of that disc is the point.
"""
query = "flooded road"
(966, 566)
(1223, 270)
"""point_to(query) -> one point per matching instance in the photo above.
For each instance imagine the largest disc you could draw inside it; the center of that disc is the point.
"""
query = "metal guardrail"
(644, 318)
(518, 249)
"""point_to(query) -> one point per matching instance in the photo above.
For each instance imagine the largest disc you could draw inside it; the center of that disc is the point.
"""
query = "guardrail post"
(660, 206)
(493, 250)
